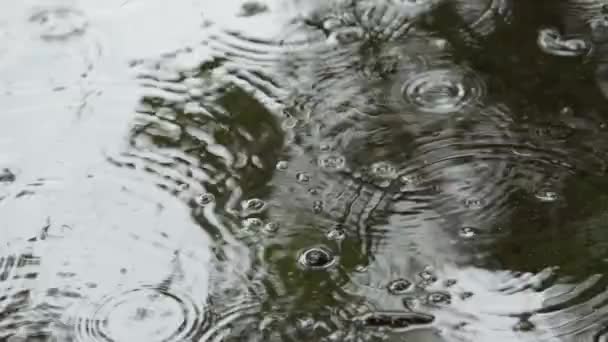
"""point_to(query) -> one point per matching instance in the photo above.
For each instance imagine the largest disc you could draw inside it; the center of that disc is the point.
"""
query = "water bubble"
(399, 286)
(316, 258)
(317, 207)
(346, 35)
(253, 223)
(6, 176)
(337, 234)
(450, 282)
(205, 199)
(551, 42)
(442, 91)
(151, 314)
(303, 177)
(255, 205)
(271, 227)
(383, 170)
(332, 162)
(466, 295)
(546, 196)
(282, 165)
(395, 319)
(411, 303)
(251, 8)
(439, 298)
(467, 232)
(427, 276)
(59, 23)
(473, 203)
(524, 325)
(289, 123)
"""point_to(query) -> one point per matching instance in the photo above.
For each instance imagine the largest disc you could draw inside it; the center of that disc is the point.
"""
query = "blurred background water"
(290, 170)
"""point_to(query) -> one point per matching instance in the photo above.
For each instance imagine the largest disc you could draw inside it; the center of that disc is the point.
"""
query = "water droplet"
(450, 282)
(282, 165)
(427, 276)
(399, 286)
(59, 23)
(303, 177)
(317, 207)
(255, 205)
(566, 111)
(524, 325)
(6, 176)
(442, 91)
(467, 232)
(546, 196)
(466, 295)
(411, 303)
(290, 123)
(205, 199)
(551, 42)
(473, 203)
(253, 223)
(439, 298)
(332, 162)
(336, 234)
(251, 8)
(316, 258)
(271, 227)
(383, 170)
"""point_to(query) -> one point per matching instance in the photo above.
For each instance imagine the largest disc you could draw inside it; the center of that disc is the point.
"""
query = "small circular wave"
(147, 313)
(442, 91)
(58, 23)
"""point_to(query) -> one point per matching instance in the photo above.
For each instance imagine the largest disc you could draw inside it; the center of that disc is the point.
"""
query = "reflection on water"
(346, 170)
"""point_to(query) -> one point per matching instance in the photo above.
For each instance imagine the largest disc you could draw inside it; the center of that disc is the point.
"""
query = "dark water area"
(290, 170)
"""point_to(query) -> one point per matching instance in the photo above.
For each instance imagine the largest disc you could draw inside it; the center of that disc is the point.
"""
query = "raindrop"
(255, 205)
(427, 276)
(282, 165)
(524, 325)
(303, 177)
(271, 227)
(467, 232)
(6, 176)
(466, 295)
(59, 23)
(383, 170)
(399, 286)
(551, 42)
(442, 91)
(317, 207)
(251, 8)
(546, 196)
(439, 298)
(332, 162)
(450, 282)
(253, 223)
(473, 203)
(205, 199)
(316, 258)
(336, 234)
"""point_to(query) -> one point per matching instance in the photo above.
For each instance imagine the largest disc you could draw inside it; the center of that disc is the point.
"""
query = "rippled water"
(345, 170)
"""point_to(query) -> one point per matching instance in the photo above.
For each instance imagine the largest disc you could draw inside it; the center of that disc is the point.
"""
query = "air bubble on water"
(553, 43)
(6, 176)
(466, 295)
(467, 232)
(271, 227)
(252, 8)
(439, 298)
(524, 325)
(427, 276)
(254, 205)
(289, 123)
(317, 207)
(399, 286)
(332, 162)
(450, 282)
(316, 258)
(303, 177)
(282, 165)
(546, 196)
(473, 203)
(253, 223)
(336, 234)
(205, 199)
(383, 170)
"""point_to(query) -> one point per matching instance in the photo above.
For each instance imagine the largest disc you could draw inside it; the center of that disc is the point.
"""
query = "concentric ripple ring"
(442, 91)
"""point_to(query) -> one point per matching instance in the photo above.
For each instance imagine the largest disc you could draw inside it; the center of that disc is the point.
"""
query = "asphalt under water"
(288, 170)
